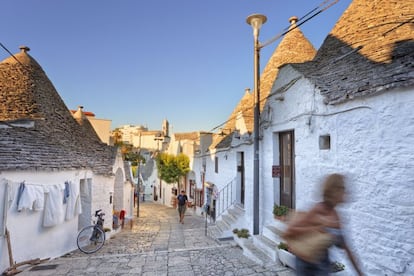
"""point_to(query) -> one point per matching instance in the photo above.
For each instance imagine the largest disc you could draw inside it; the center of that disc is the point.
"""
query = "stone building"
(101, 126)
(44, 149)
(347, 110)
(229, 161)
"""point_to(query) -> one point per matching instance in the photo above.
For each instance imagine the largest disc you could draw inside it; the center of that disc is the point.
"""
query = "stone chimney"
(79, 115)
(293, 20)
(24, 49)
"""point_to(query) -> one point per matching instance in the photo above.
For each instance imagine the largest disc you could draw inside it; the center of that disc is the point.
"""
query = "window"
(216, 164)
(325, 142)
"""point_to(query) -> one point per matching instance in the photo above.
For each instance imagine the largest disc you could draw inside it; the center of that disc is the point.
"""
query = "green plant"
(283, 246)
(171, 168)
(337, 266)
(280, 210)
(242, 233)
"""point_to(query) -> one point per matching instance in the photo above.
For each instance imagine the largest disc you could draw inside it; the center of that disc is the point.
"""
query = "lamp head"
(256, 21)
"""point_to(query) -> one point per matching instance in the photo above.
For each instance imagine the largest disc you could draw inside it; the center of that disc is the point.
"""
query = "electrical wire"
(308, 16)
(399, 24)
(10, 53)
(305, 18)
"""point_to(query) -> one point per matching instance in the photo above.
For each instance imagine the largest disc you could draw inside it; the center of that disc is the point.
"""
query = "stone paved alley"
(157, 244)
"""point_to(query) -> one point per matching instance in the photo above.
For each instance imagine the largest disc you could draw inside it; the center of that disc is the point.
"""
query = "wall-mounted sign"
(275, 171)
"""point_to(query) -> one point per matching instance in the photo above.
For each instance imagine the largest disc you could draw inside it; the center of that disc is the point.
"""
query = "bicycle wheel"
(90, 239)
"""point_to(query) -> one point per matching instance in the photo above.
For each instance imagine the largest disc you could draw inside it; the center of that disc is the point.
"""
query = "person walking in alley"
(182, 205)
(323, 219)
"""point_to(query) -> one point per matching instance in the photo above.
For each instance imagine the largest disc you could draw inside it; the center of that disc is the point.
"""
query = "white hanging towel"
(73, 201)
(32, 198)
(9, 192)
(54, 213)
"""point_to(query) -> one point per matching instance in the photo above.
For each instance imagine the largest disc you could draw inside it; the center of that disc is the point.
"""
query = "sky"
(138, 62)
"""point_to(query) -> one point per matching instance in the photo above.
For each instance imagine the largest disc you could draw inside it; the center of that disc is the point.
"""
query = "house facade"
(102, 127)
(54, 170)
(345, 110)
(349, 111)
(191, 144)
(229, 164)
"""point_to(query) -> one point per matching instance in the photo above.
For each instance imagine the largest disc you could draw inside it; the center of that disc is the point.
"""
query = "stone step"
(229, 219)
(225, 228)
(255, 254)
(268, 246)
(236, 212)
(223, 225)
(214, 232)
(273, 232)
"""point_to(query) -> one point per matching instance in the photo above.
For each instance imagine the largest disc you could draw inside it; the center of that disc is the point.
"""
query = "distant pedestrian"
(182, 205)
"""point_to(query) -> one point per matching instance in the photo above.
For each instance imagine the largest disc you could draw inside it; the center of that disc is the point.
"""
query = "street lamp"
(158, 137)
(256, 21)
(138, 181)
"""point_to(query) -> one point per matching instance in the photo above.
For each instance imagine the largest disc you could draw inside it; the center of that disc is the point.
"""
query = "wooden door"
(287, 180)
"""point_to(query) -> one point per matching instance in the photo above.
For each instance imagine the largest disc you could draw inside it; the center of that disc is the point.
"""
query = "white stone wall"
(372, 144)
(29, 239)
(227, 172)
(102, 127)
(102, 190)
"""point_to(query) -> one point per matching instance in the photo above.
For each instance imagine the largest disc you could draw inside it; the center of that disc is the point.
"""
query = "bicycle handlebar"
(98, 214)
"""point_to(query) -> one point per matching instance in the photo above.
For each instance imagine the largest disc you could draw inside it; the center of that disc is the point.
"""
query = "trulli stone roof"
(186, 136)
(370, 50)
(293, 48)
(37, 130)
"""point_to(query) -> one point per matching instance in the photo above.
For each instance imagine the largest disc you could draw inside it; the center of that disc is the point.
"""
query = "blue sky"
(141, 61)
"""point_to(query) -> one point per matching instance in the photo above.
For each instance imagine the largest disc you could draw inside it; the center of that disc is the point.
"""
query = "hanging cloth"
(73, 207)
(32, 197)
(54, 213)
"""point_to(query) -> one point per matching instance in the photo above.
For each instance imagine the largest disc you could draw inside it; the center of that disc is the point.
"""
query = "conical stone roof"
(369, 50)
(294, 48)
(54, 139)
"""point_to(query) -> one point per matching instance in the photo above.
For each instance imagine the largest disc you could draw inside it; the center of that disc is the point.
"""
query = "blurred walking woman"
(322, 218)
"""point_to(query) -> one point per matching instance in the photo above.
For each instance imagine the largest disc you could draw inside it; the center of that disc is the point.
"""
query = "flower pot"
(287, 258)
(281, 218)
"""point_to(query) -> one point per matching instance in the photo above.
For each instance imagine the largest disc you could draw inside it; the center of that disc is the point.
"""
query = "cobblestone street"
(157, 244)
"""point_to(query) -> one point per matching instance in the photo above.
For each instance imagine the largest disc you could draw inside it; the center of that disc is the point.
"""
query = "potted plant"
(337, 268)
(242, 233)
(285, 257)
(241, 236)
(280, 211)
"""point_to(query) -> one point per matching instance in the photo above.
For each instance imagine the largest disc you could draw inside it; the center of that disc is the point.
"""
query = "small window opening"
(325, 142)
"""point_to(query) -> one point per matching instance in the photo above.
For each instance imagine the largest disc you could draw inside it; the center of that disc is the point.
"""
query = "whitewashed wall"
(29, 239)
(372, 144)
(118, 194)
(227, 172)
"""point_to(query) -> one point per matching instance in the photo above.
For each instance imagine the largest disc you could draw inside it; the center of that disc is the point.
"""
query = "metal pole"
(256, 186)
(138, 173)
(205, 225)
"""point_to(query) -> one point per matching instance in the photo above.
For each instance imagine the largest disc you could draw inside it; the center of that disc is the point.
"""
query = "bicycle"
(92, 237)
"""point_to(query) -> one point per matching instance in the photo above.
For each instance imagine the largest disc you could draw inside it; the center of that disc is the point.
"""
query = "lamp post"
(256, 21)
(138, 182)
(158, 138)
